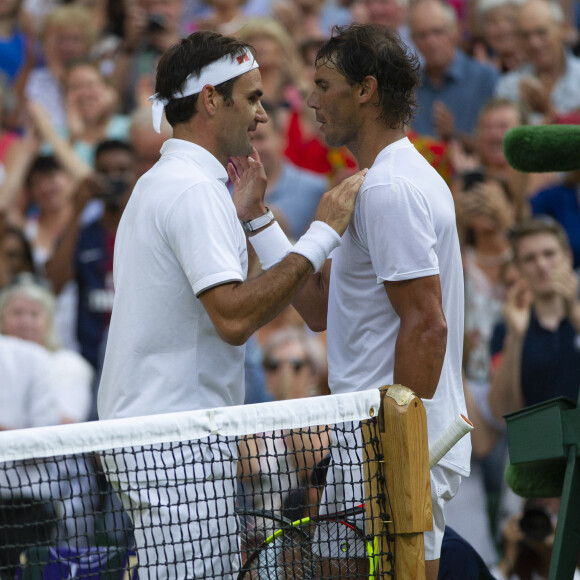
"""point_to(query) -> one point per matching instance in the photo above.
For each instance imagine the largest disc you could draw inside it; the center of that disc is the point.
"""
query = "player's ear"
(368, 88)
(210, 99)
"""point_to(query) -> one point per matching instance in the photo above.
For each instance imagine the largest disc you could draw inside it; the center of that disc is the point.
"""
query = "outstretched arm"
(238, 309)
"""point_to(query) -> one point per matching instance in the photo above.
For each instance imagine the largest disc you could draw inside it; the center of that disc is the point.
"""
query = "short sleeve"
(203, 232)
(396, 227)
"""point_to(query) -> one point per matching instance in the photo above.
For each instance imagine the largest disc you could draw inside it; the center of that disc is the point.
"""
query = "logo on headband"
(243, 58)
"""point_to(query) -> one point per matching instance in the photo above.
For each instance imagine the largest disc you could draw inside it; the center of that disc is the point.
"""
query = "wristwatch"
(259, 222)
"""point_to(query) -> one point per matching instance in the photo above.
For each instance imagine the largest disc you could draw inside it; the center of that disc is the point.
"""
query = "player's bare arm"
(422, 338)
(312, 301)
(238, 309)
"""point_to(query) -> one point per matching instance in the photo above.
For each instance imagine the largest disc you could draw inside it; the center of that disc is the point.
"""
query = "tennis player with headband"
(183, 308)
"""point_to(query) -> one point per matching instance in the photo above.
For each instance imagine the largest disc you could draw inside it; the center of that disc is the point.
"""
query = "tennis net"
(273, 490)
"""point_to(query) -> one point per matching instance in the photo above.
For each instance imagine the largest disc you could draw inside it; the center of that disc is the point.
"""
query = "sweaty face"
(240, 117)
(335, 103)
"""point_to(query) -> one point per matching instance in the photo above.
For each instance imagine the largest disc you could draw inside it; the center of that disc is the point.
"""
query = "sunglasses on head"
(273, 364)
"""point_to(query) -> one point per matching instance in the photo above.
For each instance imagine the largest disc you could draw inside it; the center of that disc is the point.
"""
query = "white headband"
(219, 71)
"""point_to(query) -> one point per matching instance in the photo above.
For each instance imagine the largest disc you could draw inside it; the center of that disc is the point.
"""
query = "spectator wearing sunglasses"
(295, 365)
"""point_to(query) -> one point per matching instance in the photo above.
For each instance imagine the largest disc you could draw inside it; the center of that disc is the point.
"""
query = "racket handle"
(454, 432)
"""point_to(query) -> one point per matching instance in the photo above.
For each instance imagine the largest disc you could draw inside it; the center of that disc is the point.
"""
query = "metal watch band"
(259, 222)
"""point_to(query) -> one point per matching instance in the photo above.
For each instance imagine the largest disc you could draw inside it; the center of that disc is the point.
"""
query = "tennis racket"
(321, 546)
(326, 545)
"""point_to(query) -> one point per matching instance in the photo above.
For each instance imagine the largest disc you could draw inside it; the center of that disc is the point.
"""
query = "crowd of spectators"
(76, 134)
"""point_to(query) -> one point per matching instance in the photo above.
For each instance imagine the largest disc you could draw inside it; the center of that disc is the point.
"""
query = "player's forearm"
(419, 355)
(312, 301)
(505, 393)
(244, 307)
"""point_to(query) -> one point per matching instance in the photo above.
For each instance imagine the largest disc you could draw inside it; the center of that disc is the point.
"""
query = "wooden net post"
(396, 464)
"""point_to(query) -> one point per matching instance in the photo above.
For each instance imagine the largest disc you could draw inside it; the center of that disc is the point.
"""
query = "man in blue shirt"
(454, 86)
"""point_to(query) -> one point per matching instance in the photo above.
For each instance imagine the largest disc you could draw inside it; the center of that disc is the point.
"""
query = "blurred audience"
(16, 252)
(14, 46)
(68, 33)
(50, 191)
(27, 312)
(76, 132)
(528, 541)
(92, 105)
(496, 38)
(277, 54)
(548, 82)
(390, 13)
(562, 202)
(454, 85)
(85, 252)
(486, 214)
(225, 16)
(295, 365)
(485, 154)
(149, 28)
(535, 350)
(292, 191)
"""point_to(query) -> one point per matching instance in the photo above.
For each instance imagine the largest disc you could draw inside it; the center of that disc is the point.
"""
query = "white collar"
(202, 157)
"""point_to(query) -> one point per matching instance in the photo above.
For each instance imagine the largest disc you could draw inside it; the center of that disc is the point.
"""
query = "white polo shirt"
(403, 228)
(179, 235)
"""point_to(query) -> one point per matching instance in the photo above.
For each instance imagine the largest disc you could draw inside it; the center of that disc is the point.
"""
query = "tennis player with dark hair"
(391, 298)
(183, 308)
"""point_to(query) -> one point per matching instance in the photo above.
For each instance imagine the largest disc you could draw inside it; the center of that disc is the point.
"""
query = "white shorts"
(344, 489)
(184, 527)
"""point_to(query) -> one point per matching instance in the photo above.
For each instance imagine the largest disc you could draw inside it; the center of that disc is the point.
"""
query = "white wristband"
(317, 243)
(271, 245)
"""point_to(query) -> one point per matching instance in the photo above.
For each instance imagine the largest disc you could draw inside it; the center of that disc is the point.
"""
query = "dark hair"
(361, 50)
(113, 145)
(540, 224)
(187, 57)
(42, 164)
(15, 232)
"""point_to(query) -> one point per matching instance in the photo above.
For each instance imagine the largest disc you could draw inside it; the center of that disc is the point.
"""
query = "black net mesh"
(290, 503)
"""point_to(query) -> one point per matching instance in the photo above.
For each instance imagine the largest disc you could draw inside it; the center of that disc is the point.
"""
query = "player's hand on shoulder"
(337, 205)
